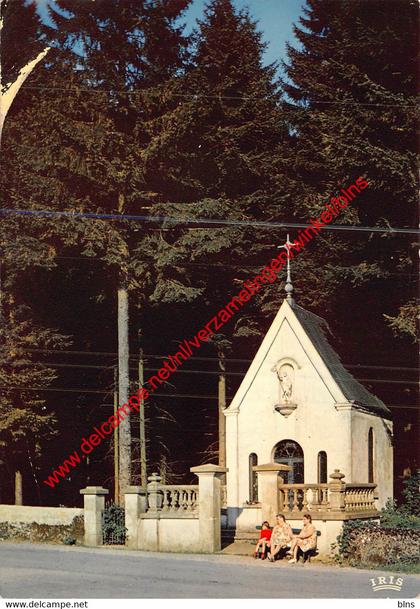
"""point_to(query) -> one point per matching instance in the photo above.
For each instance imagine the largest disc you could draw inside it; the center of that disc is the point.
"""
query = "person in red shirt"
(264, 541)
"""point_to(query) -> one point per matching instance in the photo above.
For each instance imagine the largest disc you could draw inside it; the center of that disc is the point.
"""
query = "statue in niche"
(285, 374)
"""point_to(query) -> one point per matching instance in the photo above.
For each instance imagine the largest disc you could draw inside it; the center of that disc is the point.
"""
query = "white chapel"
(298, 406)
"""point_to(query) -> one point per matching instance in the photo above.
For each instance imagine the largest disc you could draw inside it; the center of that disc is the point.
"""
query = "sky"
(275, 20)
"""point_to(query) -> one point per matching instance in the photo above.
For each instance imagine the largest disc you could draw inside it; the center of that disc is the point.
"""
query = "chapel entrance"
(288, 452)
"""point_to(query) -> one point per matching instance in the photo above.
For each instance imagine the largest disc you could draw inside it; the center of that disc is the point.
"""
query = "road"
(47, 571)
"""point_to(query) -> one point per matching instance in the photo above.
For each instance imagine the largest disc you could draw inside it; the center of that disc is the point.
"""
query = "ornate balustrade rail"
(178, 498)
(174, 499)
(335, 496)
(359, 497)
(303, 497)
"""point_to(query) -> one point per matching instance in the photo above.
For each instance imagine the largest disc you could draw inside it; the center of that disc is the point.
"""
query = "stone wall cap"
(272, 467)
(208, 468)
(134, 490)
(94, 490)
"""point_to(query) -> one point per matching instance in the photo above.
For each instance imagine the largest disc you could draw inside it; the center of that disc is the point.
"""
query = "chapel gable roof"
(316, 329)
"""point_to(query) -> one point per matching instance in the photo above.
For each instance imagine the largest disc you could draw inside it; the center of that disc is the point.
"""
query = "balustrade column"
(337, 490)
(210, 479)
(268, 488)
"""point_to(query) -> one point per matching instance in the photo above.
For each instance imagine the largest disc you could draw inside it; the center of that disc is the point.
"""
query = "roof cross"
(288, 286)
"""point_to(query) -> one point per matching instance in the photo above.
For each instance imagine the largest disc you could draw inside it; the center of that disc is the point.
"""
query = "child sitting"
(264, 541)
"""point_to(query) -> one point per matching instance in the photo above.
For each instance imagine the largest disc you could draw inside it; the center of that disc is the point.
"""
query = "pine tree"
(219, 155)
(354, 80)
(351, 85)
(110, 58)
(20, 37)
(27, 424)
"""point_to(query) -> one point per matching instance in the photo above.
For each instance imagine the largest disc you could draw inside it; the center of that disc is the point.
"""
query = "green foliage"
(345, 537)
(411, 495)
(352, 81)
(20, 37)
(365, 543)
(406, 322)
(113, 524)
(129, 115)
(219, 154)
(393, 517)
(395, 540)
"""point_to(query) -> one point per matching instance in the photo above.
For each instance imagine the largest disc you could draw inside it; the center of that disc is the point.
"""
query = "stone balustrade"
(303, 497)
(178, 498)
(174, 499)
(357, 499)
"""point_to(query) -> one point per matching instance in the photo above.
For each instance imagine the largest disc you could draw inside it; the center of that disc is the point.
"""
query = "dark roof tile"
(316, 329)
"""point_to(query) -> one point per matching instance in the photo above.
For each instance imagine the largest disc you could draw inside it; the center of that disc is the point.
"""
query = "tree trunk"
(222, 406)
(123, 389)
(143, 462)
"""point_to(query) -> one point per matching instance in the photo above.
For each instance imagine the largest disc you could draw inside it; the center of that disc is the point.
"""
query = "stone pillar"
(336, 492)
(154, 493)
(232, 461)
(18, 488)
(135, 504)
(94, 504)
(268, 488)
(209, 482)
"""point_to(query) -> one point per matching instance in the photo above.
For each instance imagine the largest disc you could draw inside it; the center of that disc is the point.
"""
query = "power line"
(200, 372)
(166, 395)
(213, 359)
(196, 96)
(210, 221)
(90, 366)
(209, 264)
(103, 391)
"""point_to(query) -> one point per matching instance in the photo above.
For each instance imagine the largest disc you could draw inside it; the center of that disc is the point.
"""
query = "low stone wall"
(166, 534)
(377, 546)
(45, 524)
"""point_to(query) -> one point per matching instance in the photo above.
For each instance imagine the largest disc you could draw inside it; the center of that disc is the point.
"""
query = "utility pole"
(124, 427)
(143, 461)
(222, 406)
(123, 367)
(116, 453)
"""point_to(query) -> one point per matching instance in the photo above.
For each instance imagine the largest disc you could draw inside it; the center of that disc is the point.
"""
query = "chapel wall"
(382, 454)
(315, 424)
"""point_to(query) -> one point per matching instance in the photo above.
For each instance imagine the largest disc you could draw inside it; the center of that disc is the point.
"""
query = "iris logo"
(386, 583)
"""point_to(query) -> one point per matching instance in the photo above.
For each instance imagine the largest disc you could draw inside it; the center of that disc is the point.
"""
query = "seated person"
(281, 537)
(264, 541)
(306, 540)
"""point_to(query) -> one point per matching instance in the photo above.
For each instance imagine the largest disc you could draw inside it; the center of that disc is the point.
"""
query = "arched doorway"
(289, 452)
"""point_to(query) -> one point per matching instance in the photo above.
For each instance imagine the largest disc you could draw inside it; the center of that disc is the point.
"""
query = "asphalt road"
(47, 571)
